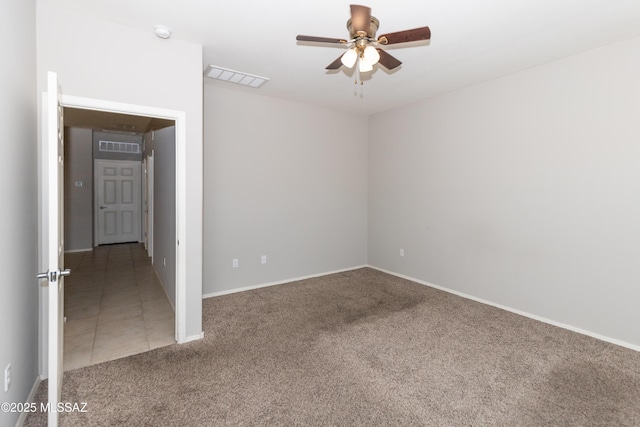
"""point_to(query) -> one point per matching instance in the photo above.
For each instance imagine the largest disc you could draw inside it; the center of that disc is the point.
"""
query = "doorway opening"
(118, 301)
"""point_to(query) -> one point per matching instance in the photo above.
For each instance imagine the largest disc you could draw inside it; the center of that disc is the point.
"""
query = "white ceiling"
(472, 41)
(93, 119)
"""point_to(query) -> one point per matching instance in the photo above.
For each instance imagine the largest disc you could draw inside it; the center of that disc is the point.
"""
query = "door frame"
(150, 174)
(179, 117)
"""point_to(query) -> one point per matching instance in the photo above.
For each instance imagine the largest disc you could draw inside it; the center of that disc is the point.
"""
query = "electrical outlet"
(401, 252)
(7, 377)
(263, 259)
(235, 263)
(164, 261)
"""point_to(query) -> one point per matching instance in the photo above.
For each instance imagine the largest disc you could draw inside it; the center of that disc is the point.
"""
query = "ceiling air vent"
(231, 76)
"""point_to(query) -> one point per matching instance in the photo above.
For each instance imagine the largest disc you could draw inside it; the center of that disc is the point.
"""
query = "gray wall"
(523, 191)
(78, 201)
(81, 148)
(285, 180)
(164, 211)
(18, 248)
(75, 45)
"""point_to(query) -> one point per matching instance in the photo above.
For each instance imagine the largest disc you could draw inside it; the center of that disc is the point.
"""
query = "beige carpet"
(362, 348)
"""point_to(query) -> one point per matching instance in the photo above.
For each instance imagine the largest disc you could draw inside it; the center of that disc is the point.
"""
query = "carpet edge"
(514, 310)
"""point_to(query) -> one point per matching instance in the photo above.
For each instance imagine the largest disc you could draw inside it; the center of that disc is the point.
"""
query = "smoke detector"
(162, 31)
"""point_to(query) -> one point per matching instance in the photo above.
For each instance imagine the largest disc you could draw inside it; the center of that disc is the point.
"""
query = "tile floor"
(115, 306)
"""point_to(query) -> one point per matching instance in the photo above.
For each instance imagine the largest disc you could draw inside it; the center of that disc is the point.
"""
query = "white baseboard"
(164, 288)
(32, 394)
(516, 311)
(279, 282)
(192, 338)
(78, 250)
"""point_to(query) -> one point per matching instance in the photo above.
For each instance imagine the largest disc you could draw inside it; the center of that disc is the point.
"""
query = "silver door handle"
(53, 275)
(103, 207)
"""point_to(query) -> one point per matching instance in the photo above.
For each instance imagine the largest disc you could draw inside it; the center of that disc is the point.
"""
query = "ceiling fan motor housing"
(372, 30)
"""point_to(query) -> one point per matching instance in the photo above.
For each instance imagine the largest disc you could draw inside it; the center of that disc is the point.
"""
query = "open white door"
(52, 237)
(150, 201)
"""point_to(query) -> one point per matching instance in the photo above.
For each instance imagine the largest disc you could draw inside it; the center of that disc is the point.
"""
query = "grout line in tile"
(99, 265)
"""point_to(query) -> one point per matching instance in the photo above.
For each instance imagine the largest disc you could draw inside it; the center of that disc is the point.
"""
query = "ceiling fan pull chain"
(358, 77)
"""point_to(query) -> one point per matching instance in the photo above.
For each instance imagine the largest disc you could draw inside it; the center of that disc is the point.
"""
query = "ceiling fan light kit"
(349, 58)
(363, 48)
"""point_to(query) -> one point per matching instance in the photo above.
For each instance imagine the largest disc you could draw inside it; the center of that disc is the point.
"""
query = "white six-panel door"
(118, 199)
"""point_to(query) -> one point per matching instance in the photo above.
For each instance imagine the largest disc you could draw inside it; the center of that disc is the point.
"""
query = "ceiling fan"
(363, 46)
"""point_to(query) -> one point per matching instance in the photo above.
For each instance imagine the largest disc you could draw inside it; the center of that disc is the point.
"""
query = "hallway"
(115, 306)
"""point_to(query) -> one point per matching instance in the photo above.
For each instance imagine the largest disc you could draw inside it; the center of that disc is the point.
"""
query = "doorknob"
(103, 207)
(53, 275)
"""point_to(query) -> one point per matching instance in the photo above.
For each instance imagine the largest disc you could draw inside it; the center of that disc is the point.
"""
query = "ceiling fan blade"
(422, 33)
(319, 39)
(335, 64)
(388, 61)
(361, 18)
